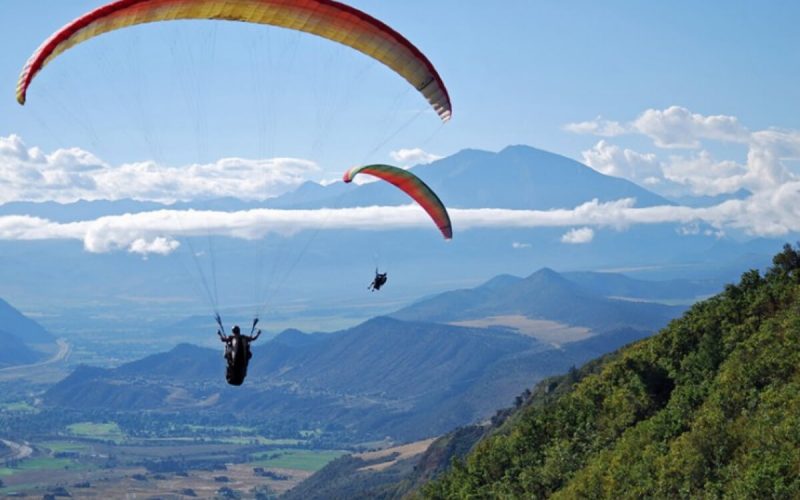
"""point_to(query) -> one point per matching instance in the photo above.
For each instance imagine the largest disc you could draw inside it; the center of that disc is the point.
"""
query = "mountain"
(543, 295)
(706, 407)
(619, 285)
(384, 377)
(295, 338)
(22, 327)
(519, 177)
(122, 288)
(15, 351)
(409, 379)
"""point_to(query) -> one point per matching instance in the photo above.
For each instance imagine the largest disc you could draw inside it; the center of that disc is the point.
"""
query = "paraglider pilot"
(237, 354)
(378, 282)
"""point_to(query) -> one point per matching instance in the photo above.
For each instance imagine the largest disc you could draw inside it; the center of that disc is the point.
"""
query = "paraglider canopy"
(325, 18)
(412, 186)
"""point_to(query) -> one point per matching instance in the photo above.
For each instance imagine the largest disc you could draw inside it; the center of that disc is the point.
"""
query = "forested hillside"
(708, 407)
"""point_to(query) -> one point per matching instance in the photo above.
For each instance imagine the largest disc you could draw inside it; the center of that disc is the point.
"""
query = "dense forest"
(709, 407)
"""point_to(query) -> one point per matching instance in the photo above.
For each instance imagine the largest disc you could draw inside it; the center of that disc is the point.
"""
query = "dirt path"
(20, 450)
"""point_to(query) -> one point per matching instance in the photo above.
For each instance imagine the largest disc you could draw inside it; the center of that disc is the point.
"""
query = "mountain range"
(406, 379)
(704, 407)
(121, 287)
(544, 294)
(707, 405)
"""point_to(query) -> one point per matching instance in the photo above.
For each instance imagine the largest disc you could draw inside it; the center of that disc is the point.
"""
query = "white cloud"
(578, 236)
(66, 175)
(698, 173)
(677, 127)
(519, 246)
(705, 176)
(763, 214)
(598, 127)
(158, 246)
(413, 156)
(674, 127)
(613, 160)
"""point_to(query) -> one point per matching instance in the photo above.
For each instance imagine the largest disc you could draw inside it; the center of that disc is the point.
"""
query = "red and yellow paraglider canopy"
(325, 18)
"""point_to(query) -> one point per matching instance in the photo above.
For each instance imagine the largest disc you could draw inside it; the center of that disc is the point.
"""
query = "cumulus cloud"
(674, 127)
(158, 246)
(677, 127)
(413, 156)
(613, 160)
(66, 175)
(696, 172)
(703, 175)
(578, 236)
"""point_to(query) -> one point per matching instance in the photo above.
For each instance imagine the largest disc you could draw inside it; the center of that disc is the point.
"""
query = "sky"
(684, 98)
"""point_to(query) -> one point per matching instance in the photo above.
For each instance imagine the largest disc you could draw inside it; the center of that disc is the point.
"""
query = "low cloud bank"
(158, 232)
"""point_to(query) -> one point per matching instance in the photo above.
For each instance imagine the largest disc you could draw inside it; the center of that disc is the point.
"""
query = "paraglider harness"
(378, 282)
(237, 352)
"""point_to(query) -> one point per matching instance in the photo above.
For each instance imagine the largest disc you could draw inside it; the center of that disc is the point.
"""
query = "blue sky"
(517, 72)
(685, 98)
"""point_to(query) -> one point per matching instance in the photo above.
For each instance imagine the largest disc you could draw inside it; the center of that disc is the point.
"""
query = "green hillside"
(709, 407)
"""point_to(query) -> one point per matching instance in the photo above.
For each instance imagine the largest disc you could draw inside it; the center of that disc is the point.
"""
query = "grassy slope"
(708, 407)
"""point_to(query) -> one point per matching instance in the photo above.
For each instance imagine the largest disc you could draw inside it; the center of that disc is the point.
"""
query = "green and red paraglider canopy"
(412, 186)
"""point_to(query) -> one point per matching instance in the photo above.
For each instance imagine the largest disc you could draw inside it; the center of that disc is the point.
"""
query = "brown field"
(240, 478)
(120, 482)
(404, 451)
(88, 473)
(543, 330)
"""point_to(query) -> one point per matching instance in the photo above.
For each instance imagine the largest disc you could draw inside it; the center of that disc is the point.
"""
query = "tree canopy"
(710, 407)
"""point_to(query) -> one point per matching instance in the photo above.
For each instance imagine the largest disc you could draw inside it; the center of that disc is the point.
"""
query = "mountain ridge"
(455, 178)
(107, 287)
(544, 294)
(21, 326)
(406, 379)
(706, 405)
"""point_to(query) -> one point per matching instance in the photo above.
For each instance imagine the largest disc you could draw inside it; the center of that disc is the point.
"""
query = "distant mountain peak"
(499, 281)
(525, 149)
(546, 271)
(548, 275)
(544, 294)
(380, 321)
(185, 347)
(293, 337)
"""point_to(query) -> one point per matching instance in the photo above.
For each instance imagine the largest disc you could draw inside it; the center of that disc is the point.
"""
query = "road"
(62, 353)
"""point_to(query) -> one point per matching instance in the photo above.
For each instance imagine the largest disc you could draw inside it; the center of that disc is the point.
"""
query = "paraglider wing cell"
(325, 18)
(414, 187)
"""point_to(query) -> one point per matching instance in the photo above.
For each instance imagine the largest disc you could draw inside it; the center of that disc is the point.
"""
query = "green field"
(243, 440)
(16, 488)
(59, 446)
(109, 431)
(20, 406)
(41, 464)
(241, 429)
(307, 460)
